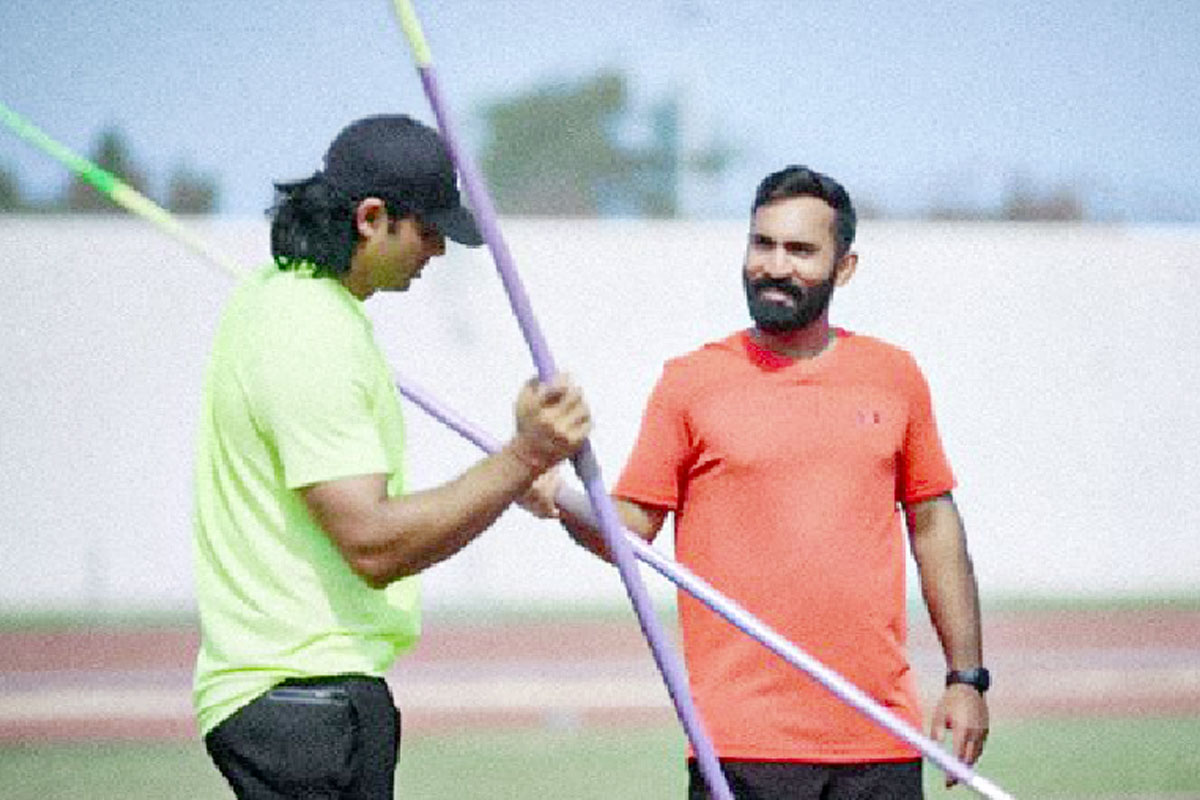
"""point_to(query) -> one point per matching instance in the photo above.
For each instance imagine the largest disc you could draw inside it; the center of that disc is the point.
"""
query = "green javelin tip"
(104, 181)
(114, 188)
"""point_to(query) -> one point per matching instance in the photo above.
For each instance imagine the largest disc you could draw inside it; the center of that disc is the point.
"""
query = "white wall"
(1063, 359)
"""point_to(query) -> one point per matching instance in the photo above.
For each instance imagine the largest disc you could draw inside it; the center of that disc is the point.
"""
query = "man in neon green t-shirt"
(306, 549)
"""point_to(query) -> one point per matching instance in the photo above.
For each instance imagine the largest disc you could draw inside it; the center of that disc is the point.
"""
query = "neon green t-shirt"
(296, 393)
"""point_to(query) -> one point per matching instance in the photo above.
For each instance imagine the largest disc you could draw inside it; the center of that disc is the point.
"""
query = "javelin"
(141, 206)
(114, 188)
(585, 463)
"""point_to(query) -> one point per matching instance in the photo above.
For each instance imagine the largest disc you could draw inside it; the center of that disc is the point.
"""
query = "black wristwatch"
(978, 677)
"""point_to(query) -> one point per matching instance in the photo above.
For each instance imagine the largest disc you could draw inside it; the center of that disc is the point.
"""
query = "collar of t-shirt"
(767, 359)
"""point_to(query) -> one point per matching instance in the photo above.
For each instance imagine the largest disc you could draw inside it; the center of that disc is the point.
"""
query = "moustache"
(781, 284)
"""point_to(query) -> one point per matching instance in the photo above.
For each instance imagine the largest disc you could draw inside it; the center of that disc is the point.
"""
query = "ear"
(370, 216)
(845, 268)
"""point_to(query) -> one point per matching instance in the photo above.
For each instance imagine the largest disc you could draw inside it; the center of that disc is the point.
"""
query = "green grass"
(1042, 759)
(585, 765)
(1091, 758)
(107, 771)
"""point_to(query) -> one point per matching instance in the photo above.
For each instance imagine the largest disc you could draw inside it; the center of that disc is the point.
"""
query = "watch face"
(979, 677)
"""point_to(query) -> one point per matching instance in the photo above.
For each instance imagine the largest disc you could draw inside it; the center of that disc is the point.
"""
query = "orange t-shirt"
(785, 477)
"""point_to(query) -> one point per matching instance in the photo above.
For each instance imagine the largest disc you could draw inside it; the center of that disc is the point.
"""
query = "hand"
(963, 712)
(539, 500)
(553, 421)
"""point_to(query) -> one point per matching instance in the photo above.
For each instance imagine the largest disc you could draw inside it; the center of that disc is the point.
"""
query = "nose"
(778, 262)
(772, 262)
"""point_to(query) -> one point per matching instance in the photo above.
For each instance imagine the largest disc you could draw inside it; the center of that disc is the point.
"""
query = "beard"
(774, 317)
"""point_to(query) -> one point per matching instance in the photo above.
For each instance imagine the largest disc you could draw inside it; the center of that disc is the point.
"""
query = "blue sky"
(909, 103)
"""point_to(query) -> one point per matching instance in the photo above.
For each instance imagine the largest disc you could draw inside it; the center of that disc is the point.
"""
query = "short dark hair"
(312, 224)
(800, 181)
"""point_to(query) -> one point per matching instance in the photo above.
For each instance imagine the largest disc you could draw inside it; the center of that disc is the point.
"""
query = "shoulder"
(278, 323)
(700, 371)
(713, 355)
(877, 355)
(275, 306)
(707, 362)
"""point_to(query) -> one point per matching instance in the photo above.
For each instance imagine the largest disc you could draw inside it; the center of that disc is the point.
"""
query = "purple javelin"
(586, 466)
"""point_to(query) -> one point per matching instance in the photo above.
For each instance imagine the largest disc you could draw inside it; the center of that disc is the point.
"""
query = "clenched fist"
(553, 421)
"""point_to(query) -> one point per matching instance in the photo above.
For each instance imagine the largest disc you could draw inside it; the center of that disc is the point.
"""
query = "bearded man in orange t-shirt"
(791, 454)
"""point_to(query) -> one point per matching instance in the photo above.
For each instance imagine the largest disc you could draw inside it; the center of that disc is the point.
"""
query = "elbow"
(376, 572)
(586, 537)
(377, 561)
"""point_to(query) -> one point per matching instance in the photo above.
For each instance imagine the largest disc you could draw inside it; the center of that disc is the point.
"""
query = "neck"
(807, 342)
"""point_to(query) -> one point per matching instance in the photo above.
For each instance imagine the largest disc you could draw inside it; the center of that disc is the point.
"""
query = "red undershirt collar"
(768, 359)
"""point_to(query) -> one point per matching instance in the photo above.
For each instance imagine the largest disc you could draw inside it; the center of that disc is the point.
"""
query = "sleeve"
(652, 475)
(924, 469)
(314, 399)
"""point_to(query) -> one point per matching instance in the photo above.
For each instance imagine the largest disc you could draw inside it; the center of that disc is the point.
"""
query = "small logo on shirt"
(866, 417)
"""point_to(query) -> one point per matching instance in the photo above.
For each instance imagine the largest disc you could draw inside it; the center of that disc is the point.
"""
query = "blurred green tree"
(189, 192)
(557, 151)
(11, 197)
(1026, 202)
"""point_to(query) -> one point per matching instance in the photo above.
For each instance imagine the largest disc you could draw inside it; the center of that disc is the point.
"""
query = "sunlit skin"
(793, 239)
(391, 251)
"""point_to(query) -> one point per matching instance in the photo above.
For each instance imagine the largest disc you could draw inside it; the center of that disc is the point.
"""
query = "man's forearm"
(385, 538)
(584, 534)
(948, 583)
(641, 521)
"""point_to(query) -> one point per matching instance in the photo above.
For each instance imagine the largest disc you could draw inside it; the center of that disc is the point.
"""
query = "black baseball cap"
(396, 158)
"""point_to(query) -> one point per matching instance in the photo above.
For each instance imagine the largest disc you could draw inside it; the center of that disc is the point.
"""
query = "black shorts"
(317, 738)
(788, 780)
